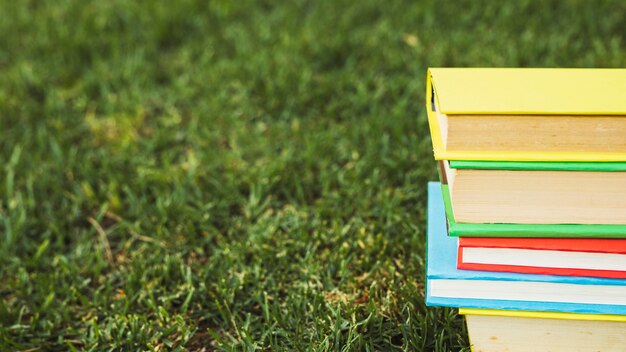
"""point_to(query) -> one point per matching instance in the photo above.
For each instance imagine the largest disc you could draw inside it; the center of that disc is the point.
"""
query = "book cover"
(543, 315)
(515, 91)
(556, 293)
(538, 165)
(552, 256)
(530, 91)
(457, 229)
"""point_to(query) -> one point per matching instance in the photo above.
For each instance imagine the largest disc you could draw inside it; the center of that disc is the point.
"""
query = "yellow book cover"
(537, 101)
(542, 315)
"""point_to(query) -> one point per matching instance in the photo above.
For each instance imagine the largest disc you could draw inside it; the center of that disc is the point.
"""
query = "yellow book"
(498, 330)
(520, 114)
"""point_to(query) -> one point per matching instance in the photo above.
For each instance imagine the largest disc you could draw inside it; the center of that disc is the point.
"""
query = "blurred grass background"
(240, 175)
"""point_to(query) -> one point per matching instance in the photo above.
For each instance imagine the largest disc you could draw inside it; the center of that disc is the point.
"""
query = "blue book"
(448, 286)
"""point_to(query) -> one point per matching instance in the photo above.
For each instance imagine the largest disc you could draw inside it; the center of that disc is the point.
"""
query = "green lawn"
(240, 175)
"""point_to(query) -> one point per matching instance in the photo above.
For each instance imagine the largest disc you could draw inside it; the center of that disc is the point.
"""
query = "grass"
(240, 175)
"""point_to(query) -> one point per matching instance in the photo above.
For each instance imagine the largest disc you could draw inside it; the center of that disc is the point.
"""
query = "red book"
(552, 256)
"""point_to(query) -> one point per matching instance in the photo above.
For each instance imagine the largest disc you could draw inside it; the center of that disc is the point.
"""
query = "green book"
(530, 230)
(527, 230)
(536, 199)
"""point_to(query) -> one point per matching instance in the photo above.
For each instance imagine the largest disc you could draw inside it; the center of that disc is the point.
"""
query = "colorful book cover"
(515, 91)
(441, 268)
(543, 315)
(553, 256)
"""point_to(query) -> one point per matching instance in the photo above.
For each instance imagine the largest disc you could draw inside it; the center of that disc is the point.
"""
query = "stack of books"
(527, 228)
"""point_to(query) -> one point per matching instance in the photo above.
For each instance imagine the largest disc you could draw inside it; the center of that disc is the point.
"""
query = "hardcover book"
(497, 330)
(546, 256)
(525, 114)
(536, 193)
(527, 230)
